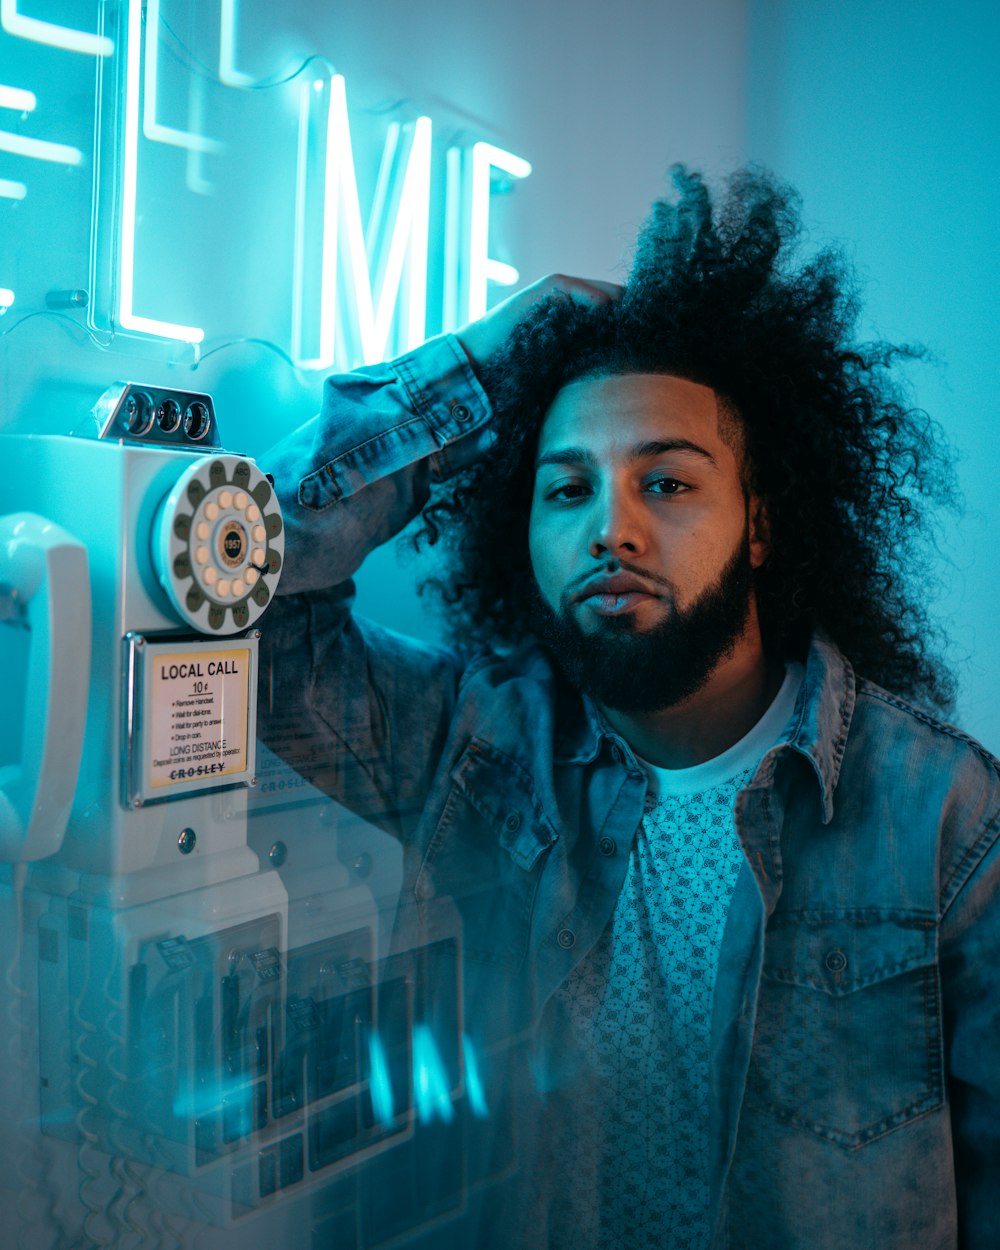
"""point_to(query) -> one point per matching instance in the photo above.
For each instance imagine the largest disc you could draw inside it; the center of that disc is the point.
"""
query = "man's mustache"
(609, 568)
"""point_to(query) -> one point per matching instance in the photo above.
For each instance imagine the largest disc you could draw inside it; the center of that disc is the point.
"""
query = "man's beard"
(646, 670)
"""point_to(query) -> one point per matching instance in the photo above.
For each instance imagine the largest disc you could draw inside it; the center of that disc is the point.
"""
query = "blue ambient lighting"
(380, 1085)
(473, 1081)
(208, 1097)
(55, 36)
(431, 1094)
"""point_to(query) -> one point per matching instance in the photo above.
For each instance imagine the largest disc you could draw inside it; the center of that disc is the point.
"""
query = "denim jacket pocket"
(848, 1038)
(485, 853)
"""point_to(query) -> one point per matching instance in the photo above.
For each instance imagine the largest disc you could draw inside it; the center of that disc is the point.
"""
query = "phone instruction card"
(191, 713)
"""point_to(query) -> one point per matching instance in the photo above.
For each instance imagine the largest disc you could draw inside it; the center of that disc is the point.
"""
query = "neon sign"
(153, 128)
(363, 285)
(228, 73)
(17, 98)
(393, 251)
(127, 317)
(482, 268)
(24, 101)
(50, 33)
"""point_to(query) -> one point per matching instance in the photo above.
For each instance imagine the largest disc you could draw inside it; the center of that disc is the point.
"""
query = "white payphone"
(135, 561)
(209, 1045)
(184, 550)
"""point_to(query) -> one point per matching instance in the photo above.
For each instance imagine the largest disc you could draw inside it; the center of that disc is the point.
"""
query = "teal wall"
(886, 115)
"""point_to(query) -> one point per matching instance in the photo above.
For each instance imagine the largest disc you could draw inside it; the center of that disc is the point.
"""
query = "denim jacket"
(856, 1022)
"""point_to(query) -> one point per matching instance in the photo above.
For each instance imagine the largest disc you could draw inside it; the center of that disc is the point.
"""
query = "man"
(727, 907)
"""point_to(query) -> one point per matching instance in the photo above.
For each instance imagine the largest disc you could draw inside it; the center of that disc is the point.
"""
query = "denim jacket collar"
(578, 738)
(818, 730)
(823, 712)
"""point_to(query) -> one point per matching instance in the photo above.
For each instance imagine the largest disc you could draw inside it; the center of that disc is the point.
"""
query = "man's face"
(642, 539)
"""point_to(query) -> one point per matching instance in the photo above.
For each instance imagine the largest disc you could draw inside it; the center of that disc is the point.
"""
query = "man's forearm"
(353, 477)
(357, 474)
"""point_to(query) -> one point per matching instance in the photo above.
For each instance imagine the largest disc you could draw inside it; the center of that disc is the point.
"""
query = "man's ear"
(759, 528)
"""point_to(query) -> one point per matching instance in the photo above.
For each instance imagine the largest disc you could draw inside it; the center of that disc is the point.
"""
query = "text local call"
(213, 668)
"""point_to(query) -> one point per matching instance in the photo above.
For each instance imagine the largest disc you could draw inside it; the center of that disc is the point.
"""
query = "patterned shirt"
(629, 1128)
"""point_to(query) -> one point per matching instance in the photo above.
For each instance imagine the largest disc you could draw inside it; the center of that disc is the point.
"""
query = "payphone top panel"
(133, 412)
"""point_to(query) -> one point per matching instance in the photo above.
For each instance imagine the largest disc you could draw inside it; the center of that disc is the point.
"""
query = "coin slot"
(138, 413)
(168, 416)
(197, 420)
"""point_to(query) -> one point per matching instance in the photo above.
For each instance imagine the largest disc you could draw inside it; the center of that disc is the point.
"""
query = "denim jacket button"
(607, 846)
(566, 938)
(461, 413)
(512, 822)
(836, 961)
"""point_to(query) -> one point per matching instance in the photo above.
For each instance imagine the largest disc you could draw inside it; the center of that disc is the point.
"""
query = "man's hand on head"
(484, 338)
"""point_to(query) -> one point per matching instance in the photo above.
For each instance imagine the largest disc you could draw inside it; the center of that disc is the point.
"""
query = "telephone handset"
(45, 581)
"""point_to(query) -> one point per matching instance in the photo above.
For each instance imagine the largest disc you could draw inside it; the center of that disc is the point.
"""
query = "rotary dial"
(220, 544)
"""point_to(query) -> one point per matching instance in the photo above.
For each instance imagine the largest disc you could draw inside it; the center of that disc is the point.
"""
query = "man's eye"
(566, 492)
(665, 486)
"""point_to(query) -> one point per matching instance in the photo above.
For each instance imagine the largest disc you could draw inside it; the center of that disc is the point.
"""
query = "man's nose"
(618, 525)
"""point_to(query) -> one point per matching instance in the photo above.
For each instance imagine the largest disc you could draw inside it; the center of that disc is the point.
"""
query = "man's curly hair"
(844, 466)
